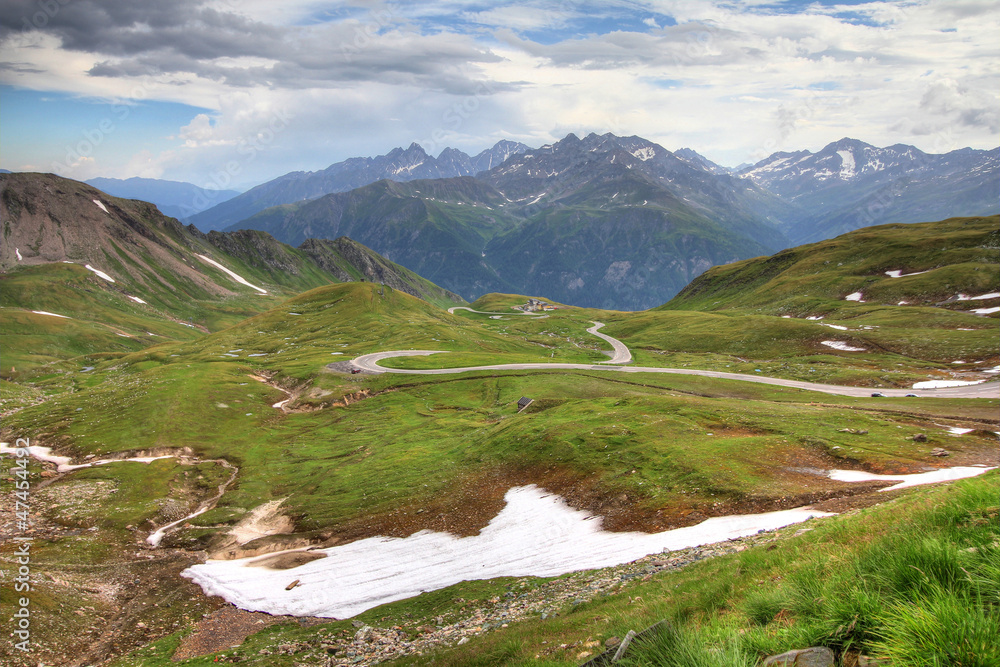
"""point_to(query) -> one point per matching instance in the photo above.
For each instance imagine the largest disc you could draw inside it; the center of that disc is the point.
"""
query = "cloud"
(732, 80)
(136, 38)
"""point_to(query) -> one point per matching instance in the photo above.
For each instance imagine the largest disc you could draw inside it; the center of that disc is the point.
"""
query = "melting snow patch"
(815, 317)
(536, 534)
(940, 384)
(18, 253)
(45, 312)
(991, 295)
(135, 298)
(986, 311)
(854, 296)
(38, 452)
(900, 274)
(838, 345)
(231, 274)
(945, 475)
(995, 369)
(833, 326)
(100, 274)
(101, 205)
(957, 430)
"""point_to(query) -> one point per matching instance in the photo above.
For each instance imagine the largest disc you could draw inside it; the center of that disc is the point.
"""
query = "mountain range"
(604, 221)
(850, 184)
(174, 198)
(621, 222)
(398, 165)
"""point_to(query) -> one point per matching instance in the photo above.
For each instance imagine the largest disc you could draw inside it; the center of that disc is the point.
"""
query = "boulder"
(814, 656)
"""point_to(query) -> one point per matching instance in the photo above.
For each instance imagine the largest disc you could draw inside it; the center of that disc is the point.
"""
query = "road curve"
(622, 355)
(369, 362)
(452, 310)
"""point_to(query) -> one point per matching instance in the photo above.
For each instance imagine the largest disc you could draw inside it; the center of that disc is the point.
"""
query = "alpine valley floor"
(256, 441)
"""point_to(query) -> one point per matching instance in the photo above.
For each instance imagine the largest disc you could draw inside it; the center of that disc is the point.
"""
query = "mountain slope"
(397, 165)
(932, 263)
(604, 221)
(123, 276)
(174, 198)
(850, 184)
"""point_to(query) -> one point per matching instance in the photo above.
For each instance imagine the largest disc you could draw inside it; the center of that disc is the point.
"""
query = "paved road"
(484, 312)
(369, 362)
(622, 354)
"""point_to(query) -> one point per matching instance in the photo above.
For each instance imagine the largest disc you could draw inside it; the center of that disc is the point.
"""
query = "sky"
(231, 93)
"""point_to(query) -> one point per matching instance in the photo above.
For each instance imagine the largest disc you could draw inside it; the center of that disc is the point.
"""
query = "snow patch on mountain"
(846, 164)
(645, 153)
(231, 274)
(100, 274)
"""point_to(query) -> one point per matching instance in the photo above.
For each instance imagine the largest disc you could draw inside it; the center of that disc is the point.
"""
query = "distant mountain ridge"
(398, 165)
(850, 184)
(603, 221)
(174, 198)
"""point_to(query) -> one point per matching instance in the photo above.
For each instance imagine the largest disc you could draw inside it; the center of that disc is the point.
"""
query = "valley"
(499, 334)
(211, 398)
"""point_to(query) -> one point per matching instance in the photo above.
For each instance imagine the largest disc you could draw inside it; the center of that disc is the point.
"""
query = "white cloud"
(734, 81)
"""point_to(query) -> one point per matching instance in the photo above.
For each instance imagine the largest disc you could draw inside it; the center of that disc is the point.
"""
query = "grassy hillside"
(151, 279)
(952, 257)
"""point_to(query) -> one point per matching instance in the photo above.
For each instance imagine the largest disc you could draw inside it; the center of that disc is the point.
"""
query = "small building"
(523, 402)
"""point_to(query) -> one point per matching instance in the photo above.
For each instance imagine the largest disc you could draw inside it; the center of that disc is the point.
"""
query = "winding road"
(622, 355)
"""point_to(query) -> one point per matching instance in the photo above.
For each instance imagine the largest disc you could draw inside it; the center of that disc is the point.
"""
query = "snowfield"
(536, 534)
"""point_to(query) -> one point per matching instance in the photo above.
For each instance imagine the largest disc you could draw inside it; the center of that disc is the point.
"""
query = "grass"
(412, 452)
(404, 448)
(914, 581)
(959, 255)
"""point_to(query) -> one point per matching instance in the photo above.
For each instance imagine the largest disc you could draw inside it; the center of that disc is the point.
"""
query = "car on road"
(877, 394)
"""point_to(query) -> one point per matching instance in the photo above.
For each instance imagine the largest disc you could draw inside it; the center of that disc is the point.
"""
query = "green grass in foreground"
(916, 581)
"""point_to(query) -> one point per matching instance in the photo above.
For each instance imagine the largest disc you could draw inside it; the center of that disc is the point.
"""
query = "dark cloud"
(19, 68)
(150, 37)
